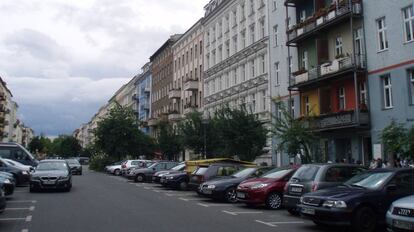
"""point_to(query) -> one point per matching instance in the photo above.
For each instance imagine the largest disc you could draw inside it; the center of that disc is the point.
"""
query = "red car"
(267, 189)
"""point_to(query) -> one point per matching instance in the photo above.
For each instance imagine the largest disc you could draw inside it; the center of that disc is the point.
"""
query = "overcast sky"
(63, 59)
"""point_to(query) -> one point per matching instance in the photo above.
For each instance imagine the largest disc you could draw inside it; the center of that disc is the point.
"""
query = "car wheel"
(230, 195)
(183, 185)
(117, 172)
(274, 201)
(293, 212)
(364, 220)
(139, 178)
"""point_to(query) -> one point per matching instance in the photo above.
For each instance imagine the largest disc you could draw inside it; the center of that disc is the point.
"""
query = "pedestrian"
(379, 163)
(373, 164)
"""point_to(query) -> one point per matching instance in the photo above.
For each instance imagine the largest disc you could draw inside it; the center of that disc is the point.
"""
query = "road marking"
(12, 219)
(238, 213)
(28, 201)
(189, 199)
(29, 218)
(25, 230)
(13, 209)
(179, 194)
(275, 224)
(162, 191)
(211, 205)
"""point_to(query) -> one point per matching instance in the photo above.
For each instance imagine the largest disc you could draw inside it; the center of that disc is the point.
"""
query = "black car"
(177, 169)
(75, 166)
(224, 188)
(175, 180)
(361, 202)
(2, 199)
(8, 184)
(146, 173)
(51, 174)
(21, 176)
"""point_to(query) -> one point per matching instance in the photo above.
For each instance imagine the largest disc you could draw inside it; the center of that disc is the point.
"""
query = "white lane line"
(275, 224)
(28, 201)
(25, 230)
(266, 223)
(12, 219)
(238, 213)
(189, 199)
(162, 191)
(29, 218)
(14, 209)
(179, 194)
(32, 208)
(211, 205)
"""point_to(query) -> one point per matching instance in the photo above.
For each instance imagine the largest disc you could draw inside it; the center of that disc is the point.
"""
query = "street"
(100, 202)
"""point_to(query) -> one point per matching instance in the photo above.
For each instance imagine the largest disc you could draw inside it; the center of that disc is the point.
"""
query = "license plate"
(49, 182)
(308, 211)
(296, 189)
(162, 181)
(403, 225)
(241, 195)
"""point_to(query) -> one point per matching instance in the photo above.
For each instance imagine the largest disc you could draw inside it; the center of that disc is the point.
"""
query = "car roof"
(8, 144)
(53, 160)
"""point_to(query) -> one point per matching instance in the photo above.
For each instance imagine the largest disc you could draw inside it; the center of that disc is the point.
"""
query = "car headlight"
(169, 177)
(7, 181)
(35, 178)
(259, 186)
(211, 186)
(25, 172)
(64, 178)
(334, 204)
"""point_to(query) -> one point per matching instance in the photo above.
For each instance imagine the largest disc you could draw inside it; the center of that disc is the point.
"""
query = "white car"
(115, 168)
(19, 165)
(129, 164)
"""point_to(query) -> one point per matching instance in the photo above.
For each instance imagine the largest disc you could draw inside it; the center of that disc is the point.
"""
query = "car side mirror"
(392, 187)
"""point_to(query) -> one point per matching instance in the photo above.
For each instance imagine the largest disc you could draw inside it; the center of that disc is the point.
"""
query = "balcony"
(341, 120)
(147, 90)
(191, 85)
(174, 116)
(339, 67)
(189, 108)
(174, 94)
(322, 19)
(152, 122)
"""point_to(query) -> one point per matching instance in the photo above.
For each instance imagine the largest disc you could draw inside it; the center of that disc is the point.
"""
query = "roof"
(170, 41)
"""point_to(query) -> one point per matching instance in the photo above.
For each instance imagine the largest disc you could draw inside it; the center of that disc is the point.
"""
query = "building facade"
(389, 28)
(143, 97)
(331, 78)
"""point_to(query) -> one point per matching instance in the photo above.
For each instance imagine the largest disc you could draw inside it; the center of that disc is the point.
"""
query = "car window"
(5, 153)
(306, 173)
(135, 163)
(200, 171)
(170, 165)
(404, 182)
(226, 171)
(356, 171)
(19, 155)
(337, 174)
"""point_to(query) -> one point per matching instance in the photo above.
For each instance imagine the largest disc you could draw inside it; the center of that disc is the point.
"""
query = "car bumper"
(290, 202)
(251, 197)
(156, 179)
(394, 227)
(8, 189)
(59, 184)
(328, 216)
(194, 186)
(76, 170)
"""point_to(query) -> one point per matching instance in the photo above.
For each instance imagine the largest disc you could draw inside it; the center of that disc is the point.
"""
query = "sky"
(63, 59)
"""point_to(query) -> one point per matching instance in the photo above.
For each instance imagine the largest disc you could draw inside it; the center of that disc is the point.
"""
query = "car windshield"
(72, 161)
(370, 180)
(244, 173)
(51, 166)
(276, 173)
(306, 173)
(178, 167)
(153, 165)
(200, 170)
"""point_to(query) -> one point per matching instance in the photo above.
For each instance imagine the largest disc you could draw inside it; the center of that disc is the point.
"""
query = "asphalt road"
(100, 202)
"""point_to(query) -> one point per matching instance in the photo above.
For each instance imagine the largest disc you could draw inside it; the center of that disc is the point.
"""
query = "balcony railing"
(189, 108)
(174, 93)
(191, 84)
(329, 69)
(174, 115)
(340, 120)
(323, 18)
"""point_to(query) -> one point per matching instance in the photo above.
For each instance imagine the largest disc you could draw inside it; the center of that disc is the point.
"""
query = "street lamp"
(204, 121)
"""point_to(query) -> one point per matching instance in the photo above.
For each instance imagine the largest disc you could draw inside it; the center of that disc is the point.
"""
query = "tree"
(118, 135)
(168, 141)
(295, 135)
(66, 146)
(242, 133)
(40, 144)
(394, 139)
(410, 142)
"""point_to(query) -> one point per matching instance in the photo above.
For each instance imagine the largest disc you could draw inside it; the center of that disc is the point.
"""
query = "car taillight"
(314, 187)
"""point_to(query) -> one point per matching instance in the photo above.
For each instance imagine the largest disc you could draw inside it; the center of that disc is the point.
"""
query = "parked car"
(2, 200)
(21, 176)
(224, 188)
(361, 202)
(115, 168)
(313, 177)
(205, 173)
(22, 166)
(8, 185)
(400, 216)
(175, 180)
(177, 169)
(128, 164)
(51, 174)
(16, 152)
(145, 174)
(75, 166)
(83, 160)
(266, 190)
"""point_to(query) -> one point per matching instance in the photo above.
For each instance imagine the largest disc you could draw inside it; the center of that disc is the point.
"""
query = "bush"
(98, 162)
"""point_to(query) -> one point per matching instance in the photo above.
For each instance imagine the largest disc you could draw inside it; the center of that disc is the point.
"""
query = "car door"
(401, 185)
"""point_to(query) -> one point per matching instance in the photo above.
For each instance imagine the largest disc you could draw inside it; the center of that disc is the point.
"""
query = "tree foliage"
(168, 141)
(394, 139)
(294, 135)
(40, 145)
(118, 135)
(66, 146)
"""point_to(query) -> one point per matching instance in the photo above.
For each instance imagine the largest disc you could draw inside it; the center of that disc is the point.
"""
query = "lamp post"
(204, 121)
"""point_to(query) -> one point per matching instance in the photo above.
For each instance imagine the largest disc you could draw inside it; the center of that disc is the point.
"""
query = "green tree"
(66, 146)
(168, 141)
(394, 139)
(295, 136)
(241, 132)
(118, 135)
(40, 144)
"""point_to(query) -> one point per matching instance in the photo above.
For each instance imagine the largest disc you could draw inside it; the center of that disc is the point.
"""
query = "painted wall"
(313, 100)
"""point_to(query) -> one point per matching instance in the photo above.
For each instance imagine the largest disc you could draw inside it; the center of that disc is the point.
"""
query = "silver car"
(400, 216)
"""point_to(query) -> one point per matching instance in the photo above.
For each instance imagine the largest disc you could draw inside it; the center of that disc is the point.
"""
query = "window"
(302, 16)
(337, 174)
(227, 80)
(253, 105)
(290, 64)
(338, 46)
(252, 34)
(263, 63)
(252, 69)
(235, 44)
(262, 28)
(251, 7)
(382, 35)
(201, 47)
(243, 39)
(235, 77)
(408, 16)
(243, 72)
(305, 60)
(276, 35)
(342, 103)
(386, 82)
(307, 105)
(277, 73)
(243, 12)
(292, 107)
(274, 5)
(227, 46)
(278, 110)
(363, 97)
(234, 18)
(411, 75)
(264, 107)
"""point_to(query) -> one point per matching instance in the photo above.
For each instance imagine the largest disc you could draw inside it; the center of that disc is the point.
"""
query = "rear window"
(226, 171)
(337, 174)
(200, 170)
(276, 173)
(306, 173)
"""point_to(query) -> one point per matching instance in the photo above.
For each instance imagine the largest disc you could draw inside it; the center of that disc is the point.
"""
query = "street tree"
(394, 139)
(241, 132)
(168, 141)
(118, 135)
(295, 136)
(40, 145)
(66, 146)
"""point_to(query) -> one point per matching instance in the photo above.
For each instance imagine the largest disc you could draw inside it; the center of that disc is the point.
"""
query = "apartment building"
(162, 82)
(331, 78)
(143, 97)
(187, 91)
(389, 30)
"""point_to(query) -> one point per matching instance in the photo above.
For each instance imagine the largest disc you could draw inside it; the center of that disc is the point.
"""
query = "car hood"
(50, 173)
(406, 202)
(251, 182)
(224, 181)
(166, 172)
(339, 192)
